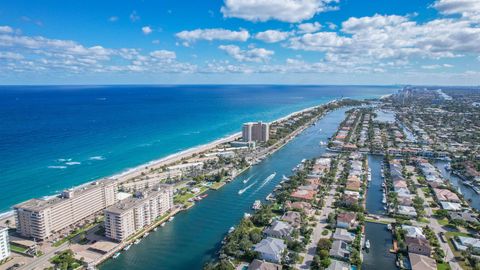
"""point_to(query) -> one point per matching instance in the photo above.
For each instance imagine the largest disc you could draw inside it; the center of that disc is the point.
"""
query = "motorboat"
(256, 205)
(127, 247)
(367, 244)
(116, 255)
(231, 229)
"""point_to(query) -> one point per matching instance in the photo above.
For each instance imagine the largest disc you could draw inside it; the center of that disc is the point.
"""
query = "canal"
(467, 192)
(374, 203)
(379, 255)
(194, 236)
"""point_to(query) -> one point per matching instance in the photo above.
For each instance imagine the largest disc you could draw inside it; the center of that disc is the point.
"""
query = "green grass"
(217, 185)
(443, 222)
(443, 266)
(18, 249)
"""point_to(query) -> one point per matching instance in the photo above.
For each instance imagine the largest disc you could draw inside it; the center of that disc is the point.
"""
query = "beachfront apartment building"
(128, 216)
(4, 247)
(258, 132)
(42, 218)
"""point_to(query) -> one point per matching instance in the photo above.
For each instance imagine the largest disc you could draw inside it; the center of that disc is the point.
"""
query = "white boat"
(231, 229)
(285, 178)
(322, 143)
(247, 215)
(383, 184)
(116, 255)
(171, 218)
(476, 189)
(163, 224)
(389, 227)
(145, 235)
(155, 229)
(367, 244)
(257, 205)
(127, 247)
(137, 241)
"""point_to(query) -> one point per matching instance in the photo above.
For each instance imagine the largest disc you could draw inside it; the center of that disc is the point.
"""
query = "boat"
(476, 189)
(171, 218)
(248, 179)
(269, 197)
(155, 229)
(246, 215)
(389, 227)
(137, 241)
(257, 205)
(468, 184)
(384, 200)
(116, 255)
(231, 229)
(146, 234)
(322, 143)
(383, 184)
(163, 225)
(127, 247)
(367, 244)
(285, 178)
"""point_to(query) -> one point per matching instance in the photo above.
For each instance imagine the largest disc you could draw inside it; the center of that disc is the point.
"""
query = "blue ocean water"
(55, 137)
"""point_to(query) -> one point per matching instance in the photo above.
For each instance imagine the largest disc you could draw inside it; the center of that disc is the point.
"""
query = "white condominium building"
(258, 132)
(4, 247)
(39, 218)
(132, 214)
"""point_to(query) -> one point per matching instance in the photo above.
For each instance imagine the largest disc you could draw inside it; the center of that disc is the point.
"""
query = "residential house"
(338, 265)
(278, 229)
(344, 235)
(446, 195)
(421, 262)
(467, 216)
(340, 250)
(346, 220)
(304, 195)
(271, 249)
(263, 265)
(418, 246)
(292, 217)
(462, 243)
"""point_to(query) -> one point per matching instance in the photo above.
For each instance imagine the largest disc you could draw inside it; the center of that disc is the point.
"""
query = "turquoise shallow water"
(53, 138)
(194, 236)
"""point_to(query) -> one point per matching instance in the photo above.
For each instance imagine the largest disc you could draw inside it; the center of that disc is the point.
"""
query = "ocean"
(56, 137)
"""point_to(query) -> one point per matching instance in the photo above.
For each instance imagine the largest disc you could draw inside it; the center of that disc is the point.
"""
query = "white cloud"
(272, 36)
(212, 34)
(163, 54)
(11, 56)
(113, 19)
(283, 10)
(468, 9)
(6, 29)
(309, 27)
(320, 41)
(147, 30)
(251, 55)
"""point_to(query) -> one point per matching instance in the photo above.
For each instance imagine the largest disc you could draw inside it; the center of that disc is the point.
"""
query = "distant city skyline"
(423, 42)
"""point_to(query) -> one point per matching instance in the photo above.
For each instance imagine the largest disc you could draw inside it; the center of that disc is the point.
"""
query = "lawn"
(73, 234)
(443, 266)
(443, 222)
(18, 249)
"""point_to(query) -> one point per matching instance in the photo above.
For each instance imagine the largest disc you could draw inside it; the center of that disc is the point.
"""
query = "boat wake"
(248, 179)
(241, 191)
(268, 179)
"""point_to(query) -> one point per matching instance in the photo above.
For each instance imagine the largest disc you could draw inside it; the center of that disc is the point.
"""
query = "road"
(40, 262)
(437, 228)
(322, 222)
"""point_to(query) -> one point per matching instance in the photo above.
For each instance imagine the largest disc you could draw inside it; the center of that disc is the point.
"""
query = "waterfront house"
(304, 195)
(418, 246)
(270, 249)
(340, 250)
(421, 262)
(278, 229)
(338, 265)
(263, 265)
(301, 206)
(348, 200)
(451, 206)
(346, 220)
(462, 243)
(413, 231)
(308, 187)
(344, 235)
(406, 211)
(292, 217)
(446, 195)
(353, 185)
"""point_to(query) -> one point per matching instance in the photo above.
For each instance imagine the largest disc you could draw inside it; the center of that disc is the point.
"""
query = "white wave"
(73, 163)
(241, 191)
(268, 179)
(64, 159)
(57, 167)
(96, 158)
(248, 179)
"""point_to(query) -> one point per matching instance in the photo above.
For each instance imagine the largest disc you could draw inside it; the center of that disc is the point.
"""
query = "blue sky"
(240, 41)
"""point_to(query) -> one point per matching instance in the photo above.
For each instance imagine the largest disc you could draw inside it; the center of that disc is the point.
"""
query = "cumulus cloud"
(309, 27)
(272, 36)
(113, 19)
(163, 54)
(250, 55)
(468, 9)
(6, 29)
(282, 10)
(134, 16)
(147, 30)
(212, 34)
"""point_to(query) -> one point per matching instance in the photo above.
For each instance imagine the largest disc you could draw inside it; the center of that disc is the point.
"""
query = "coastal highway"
(40, 262)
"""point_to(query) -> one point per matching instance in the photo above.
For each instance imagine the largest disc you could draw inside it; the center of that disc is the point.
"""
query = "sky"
(423, 42)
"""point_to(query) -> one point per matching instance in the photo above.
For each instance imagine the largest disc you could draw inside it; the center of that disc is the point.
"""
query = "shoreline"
(128, 173)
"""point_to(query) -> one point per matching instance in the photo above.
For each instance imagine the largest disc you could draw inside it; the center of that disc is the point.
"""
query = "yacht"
(367, 244)
(389, 227)
(137, 241)
(116, 255)
(127, 247)
(476, 189)
(171, 218)
(256, 205)
(231, 229)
